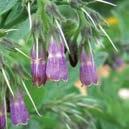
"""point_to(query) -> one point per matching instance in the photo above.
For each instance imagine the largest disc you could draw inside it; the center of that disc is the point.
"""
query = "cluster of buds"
(55, 67)
(18, 111)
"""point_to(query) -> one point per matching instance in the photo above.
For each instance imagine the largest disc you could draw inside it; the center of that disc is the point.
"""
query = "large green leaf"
(22, 30)
(100, 58)
(5, 5)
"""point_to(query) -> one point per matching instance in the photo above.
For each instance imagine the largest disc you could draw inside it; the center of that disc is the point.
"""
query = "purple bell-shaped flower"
(88, 74)
(38, 64)
(18, 110)
(2, 117)
(56, 65)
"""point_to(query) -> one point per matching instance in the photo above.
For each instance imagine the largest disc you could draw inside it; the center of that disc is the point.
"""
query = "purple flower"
(88, 73)
(38, 65)
(2, 117)
(18, 110)
(56, 66)
(118, 62)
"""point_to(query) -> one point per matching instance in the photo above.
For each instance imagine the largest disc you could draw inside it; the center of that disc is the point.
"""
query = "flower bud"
(38, 65)
(88, 73)
(73, 55)
(2, 117)
(18, 110)
(56, 66)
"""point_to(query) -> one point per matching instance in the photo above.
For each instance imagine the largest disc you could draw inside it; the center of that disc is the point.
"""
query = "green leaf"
(16, 15)
(5, 5)
(20, 33)
(100, 58)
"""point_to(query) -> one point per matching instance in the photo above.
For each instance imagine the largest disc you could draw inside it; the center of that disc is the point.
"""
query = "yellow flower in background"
(82, 89)
(112, 21)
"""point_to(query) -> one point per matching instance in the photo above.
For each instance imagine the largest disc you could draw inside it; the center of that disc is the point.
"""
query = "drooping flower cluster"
(56, 66)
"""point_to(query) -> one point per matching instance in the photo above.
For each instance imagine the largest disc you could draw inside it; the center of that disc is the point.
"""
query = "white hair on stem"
(67, 125)
(88, 15)
(8, 30)
(62, 35)
(106, 2)
(37, 54)
(29, 14)
(100, 42)
(91, 52)
(28, 93)
(105, 33)
(7, 81)
(21, 52)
